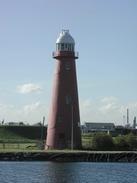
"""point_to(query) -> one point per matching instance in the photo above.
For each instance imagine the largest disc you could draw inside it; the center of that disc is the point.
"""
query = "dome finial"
(65, 37)
(65, 30)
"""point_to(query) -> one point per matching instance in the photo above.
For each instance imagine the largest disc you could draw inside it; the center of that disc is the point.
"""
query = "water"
(50, 172)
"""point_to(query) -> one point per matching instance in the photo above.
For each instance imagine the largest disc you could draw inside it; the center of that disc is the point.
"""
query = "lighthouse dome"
(65, 37)
(65, 42)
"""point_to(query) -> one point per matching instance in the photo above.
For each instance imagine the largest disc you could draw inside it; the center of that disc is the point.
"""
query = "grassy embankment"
(14, 138)
(28, 139)
(10, 140)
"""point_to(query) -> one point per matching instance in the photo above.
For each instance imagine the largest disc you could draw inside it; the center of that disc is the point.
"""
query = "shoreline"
(71, 156)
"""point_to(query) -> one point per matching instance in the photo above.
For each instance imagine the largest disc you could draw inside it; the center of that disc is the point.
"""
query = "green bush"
(102, 142)
(121, 144)
(127, 142)
(132, 141)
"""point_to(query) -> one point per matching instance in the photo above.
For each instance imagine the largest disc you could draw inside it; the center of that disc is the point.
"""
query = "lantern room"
(65, 42)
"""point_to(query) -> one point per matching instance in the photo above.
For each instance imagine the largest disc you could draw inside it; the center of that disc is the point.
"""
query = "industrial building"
(89, 127)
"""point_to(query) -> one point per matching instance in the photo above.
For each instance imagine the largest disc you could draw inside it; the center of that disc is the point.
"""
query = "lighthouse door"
(61, 140)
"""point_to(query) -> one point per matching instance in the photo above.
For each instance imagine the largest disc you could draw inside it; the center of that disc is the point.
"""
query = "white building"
(89, 127)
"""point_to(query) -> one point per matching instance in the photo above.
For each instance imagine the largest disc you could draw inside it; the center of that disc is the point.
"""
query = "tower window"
(72, 47)
(69, 49)
(65, 47)
(58, 47)
(62, 46)
(67, 66)
(68, 99)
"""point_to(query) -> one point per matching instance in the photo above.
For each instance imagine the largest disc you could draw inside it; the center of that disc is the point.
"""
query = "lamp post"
(72, 129)
(42, 131)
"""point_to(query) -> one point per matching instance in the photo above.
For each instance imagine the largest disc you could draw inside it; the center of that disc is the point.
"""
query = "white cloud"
(29, 113)
(32, 107)
(86, 104)
(109, 104)
(10, 112)
(28, 88)
(109, 99)
(88, 110)
(34, 112)
(108, 109)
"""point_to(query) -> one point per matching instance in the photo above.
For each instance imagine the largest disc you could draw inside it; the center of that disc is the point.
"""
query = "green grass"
(10, 140)
(13, 141)
(6, 134)
(86, 141)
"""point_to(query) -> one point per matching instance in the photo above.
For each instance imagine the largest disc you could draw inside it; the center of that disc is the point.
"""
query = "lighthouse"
(63, 130)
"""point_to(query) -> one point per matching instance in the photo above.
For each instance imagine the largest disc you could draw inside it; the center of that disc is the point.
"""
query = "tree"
(121, 144)
(102, 142)
(131, 139)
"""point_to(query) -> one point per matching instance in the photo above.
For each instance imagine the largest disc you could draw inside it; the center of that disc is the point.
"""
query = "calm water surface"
(49, 172)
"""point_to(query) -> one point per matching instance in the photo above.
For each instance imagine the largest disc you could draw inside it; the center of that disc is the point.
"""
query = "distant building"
(89, 127)
(15, 123)
(119, 127)
(38, 124)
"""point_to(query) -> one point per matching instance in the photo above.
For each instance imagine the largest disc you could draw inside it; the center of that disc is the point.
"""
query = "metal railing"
(65, 53)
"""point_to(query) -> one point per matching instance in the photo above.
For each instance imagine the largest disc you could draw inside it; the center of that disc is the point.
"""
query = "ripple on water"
(51, 172)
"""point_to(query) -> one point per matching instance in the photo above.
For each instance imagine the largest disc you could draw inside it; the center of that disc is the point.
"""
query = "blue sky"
(105, 33)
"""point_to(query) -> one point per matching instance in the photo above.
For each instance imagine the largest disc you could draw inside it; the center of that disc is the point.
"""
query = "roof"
(98, 125)
(65, 37)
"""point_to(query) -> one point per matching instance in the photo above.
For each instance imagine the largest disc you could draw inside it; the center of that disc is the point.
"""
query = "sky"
(105, 34)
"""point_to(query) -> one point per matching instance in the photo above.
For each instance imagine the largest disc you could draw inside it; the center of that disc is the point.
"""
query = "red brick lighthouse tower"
(64, 120)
